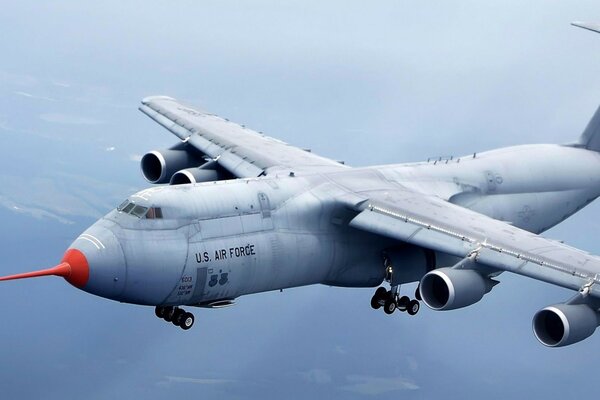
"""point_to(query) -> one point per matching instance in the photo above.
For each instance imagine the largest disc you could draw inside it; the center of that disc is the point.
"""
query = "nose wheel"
(177, 316)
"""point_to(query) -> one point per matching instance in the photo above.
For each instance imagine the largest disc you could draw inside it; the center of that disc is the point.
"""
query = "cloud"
(68, 119)
(340, 350)
(61, 84)
(318, 376)
(18, 79)
(196, 381)
(135, 157)
(32, 96)
(111, 148)
(412, 363)
(372, 386)
(34, 212)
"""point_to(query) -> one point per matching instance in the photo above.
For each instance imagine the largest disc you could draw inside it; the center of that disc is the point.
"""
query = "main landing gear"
(178, 316)
(391, 300)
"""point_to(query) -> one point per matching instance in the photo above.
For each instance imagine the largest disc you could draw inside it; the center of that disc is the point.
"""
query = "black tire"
(375, 302)
(168, 314)
(389, 307)
(159, 311)
(187, 321)
(380, 293)
(413, 307)
(418, 293)
(178, 316)
(403, 303)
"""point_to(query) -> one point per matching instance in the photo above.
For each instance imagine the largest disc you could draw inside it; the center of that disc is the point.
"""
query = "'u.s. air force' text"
(224, 254)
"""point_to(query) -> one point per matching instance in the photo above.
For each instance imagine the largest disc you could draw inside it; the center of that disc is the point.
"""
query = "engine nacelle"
(158, 166)
(564, 324)
(194, 175)
(449, 289)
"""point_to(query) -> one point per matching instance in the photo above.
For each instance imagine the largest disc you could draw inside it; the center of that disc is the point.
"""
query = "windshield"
(129, 207)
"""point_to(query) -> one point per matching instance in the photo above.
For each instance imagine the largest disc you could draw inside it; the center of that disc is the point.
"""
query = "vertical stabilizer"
(590, 138)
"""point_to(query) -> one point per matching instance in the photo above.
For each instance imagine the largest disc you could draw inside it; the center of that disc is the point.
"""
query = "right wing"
(433, 223)
(243, 152)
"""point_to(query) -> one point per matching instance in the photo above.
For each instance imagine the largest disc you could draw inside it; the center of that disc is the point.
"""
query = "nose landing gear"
(178, 316)
(391, 300)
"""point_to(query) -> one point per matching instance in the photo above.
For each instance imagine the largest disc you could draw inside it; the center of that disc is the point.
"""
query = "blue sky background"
(366, 82)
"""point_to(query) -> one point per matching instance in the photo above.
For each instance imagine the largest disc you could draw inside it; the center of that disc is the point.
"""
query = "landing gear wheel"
(178, 317)
(389, 306)
(168, 314)
(413, 307)
(159, 311)
(418, 293)
(403, 303)
(375, 302)
(187, 321)
(380, 294)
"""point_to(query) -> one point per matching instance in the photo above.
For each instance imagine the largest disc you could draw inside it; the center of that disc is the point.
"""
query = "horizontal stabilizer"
(587, 25)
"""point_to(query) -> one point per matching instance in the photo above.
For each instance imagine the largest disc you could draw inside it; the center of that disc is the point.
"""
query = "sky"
(364, 82)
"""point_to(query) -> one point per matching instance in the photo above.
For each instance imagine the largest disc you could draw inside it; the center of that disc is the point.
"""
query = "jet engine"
(194, 175)
(565, 324)
(158, 166)
(207, 172)
(449, 288)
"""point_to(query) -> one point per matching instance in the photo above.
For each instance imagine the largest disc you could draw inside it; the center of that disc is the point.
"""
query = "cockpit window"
(154, 213)
(123, 205)
(139, 211)
(128, 208)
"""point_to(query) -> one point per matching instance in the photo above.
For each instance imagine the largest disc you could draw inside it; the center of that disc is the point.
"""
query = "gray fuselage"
(221, 240)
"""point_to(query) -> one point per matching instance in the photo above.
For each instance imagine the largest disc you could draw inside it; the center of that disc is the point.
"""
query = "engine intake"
(158, 166)
(564, 324)
(449, 289)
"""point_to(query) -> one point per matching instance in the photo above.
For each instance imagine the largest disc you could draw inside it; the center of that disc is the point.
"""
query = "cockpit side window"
(139, 211)
(123, 205)
(154, 213)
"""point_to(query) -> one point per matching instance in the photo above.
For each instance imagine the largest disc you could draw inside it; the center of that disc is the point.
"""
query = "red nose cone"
(80, 270)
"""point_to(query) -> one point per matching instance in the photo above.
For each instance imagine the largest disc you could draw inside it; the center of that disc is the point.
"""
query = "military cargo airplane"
(236, 212)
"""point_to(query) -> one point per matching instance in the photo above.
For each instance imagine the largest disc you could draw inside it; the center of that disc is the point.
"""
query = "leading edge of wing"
(244, 152)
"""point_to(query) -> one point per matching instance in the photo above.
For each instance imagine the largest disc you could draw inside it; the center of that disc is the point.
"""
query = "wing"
(587, 25)
(435, 224)
(243, 152)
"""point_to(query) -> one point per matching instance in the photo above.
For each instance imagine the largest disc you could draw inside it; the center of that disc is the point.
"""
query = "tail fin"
(590, 138)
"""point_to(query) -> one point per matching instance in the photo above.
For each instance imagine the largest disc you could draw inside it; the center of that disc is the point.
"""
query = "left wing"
(243, 152)
(435, 224)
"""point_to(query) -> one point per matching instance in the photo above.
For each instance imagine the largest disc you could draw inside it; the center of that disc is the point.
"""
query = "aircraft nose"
(97, 262)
